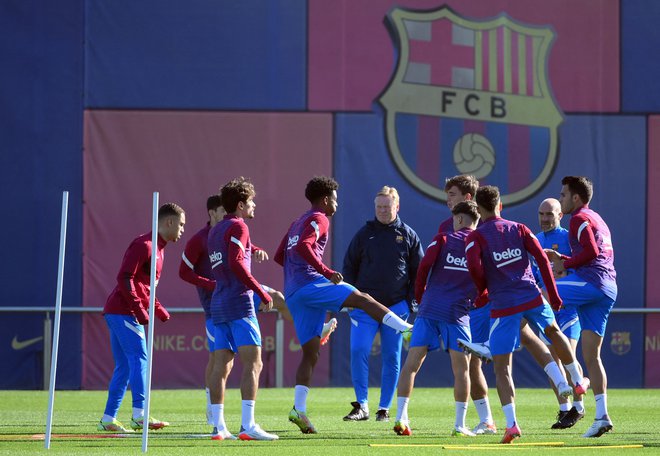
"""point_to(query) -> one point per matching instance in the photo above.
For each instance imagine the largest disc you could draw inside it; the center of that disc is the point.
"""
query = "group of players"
(475, 286)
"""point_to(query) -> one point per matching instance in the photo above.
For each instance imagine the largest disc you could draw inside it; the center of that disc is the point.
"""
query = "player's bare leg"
(376, 310)
(479, 395)
(460, 366)
(563, 348)
(414, 361)
(506, 393)
(279, 304)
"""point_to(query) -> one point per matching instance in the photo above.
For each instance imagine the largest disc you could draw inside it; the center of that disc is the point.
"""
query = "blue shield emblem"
(471, 97)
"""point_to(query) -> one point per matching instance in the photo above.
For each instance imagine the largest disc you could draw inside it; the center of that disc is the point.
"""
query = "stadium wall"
(114, 100)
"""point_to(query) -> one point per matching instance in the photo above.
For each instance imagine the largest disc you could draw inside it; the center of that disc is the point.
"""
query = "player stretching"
(592, 288)
(195, 268)
(232, 310)
(127, 311)
(443, 314)
(498, 259)
(311, 288)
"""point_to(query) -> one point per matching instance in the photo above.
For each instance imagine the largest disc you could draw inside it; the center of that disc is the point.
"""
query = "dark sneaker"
(560, 416)
(571, 417)
(357, 414)
(382, 415)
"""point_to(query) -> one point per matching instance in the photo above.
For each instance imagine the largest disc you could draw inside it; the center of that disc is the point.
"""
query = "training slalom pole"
(58, 314)
(150, 330)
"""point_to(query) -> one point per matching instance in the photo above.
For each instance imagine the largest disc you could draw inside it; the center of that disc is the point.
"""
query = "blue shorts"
(309, 304)
(210, 334)
(591, 304)
(568, 322)
(480, 324)
(236, 333)
(505, 331)
(428, 332)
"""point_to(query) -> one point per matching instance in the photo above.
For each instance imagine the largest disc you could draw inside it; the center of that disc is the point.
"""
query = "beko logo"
(457, 261)
(508, 256)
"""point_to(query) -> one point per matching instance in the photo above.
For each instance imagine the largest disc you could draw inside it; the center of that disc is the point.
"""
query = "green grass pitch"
(635, 413)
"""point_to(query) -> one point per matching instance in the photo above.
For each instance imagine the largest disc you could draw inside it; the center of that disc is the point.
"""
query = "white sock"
(601, 405)
(554, 373)
(483, 410)
(461, 412)
(510, 414)
(138, 413)
(402, 408)
(247, 415)
(574, 372)
(565, 407)
(393, 321)
(579, 406)
(300, 398)
(107, 418)
(208, 398)
(216, 413)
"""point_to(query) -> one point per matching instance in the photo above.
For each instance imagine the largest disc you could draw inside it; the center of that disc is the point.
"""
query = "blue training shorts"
(505, 331)
(480, 324)
(591, 304)
(309, 304)
(568, 322)
(236, 333)
(428, 332)
(210, 334)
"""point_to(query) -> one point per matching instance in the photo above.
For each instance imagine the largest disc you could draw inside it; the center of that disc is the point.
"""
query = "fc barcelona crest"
(471, 97)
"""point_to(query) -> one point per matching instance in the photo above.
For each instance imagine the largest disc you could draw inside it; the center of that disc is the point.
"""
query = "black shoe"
(571, 417)
(560, 416)
(382, 415)
(357, 414)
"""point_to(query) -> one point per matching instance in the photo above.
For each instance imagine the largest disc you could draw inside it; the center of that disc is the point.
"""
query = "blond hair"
(389, 191)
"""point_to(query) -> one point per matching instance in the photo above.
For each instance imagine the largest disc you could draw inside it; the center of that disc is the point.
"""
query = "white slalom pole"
(150, 337)
(58, 314)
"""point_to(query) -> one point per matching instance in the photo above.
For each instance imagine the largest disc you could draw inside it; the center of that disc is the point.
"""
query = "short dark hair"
(488, 197)
(468, 208)
(169, 209)
(235, 191)
(213, 202)
(319, 187)
(579, 185)
(466, 183)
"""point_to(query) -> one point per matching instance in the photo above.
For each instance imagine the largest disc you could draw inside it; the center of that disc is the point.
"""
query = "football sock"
(393, 321)
(138, 413)
(300, 398)
(565, 407)
(402, 408)
(461, 412)
(554, 373)
(247, 415)
(579, 406)
(107, 418)
(216, 412)
(574, 371)
(601, 405)
(483, 410)
(510, 414)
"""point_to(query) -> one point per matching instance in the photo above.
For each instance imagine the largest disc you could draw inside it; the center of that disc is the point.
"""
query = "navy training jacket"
(382, 260)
